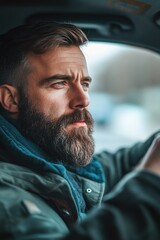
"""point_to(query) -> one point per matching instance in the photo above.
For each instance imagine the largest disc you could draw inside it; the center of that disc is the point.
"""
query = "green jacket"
(41, 200)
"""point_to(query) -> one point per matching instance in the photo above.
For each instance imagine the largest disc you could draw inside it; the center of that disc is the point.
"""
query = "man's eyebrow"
(87, 78)
(60, 77)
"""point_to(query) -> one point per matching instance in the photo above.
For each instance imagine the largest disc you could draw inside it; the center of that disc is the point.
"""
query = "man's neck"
(10, 119)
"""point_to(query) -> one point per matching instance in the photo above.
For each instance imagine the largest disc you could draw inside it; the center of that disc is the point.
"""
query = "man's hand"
(151, 160)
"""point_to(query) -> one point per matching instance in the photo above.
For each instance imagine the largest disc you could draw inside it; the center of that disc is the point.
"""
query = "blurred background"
(125, 93)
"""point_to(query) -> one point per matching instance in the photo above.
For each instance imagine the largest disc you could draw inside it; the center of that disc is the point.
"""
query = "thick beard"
(74, 148)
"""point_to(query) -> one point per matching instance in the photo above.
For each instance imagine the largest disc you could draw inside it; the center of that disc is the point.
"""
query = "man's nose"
(79, 98)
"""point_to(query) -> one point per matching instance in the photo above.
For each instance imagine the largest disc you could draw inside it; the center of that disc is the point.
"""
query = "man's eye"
(58, 84)
(85, 85)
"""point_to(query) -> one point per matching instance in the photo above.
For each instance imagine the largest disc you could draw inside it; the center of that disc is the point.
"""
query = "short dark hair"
(16, 44)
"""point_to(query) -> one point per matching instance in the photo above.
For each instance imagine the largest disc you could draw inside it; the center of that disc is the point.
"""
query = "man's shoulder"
(22, 212)
(24, 209)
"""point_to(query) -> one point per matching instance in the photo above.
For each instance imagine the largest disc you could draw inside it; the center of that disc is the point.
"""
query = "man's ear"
(9, 98)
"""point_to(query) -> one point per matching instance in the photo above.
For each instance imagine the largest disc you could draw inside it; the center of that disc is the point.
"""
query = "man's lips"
(79, 123)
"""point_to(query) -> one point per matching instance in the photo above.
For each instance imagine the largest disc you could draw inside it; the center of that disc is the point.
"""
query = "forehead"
(59, 58)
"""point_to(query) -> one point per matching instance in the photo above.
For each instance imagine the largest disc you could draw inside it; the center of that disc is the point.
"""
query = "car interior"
(122, 56)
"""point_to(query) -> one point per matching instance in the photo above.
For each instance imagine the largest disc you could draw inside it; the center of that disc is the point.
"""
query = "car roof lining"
(131, 22)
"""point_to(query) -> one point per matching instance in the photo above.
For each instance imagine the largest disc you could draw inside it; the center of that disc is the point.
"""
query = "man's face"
(53, 110)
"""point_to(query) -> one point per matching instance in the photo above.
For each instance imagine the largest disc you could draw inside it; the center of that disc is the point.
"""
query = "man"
(50, 178)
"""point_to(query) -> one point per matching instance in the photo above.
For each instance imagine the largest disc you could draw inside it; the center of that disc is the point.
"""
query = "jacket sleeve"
(130, 212)
(123, 161)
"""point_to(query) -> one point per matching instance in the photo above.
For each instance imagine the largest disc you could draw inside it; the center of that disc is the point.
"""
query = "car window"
(125, 93)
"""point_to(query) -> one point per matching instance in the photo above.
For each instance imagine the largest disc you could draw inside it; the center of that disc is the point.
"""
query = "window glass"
(125, 93)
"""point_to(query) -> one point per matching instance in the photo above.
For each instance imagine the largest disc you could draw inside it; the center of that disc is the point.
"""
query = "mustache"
(77, 115)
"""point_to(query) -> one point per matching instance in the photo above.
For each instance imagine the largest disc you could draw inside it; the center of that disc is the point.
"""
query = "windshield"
(125, 93)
